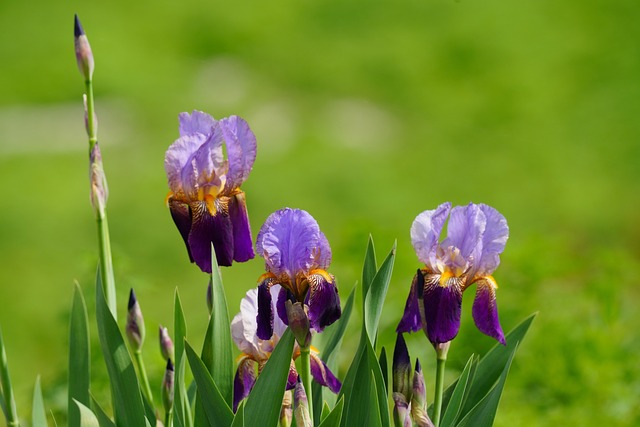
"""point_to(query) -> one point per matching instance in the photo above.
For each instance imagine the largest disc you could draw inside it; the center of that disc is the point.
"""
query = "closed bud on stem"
(303, 419)
(98, 181)
(84, 56)
(286, 411)
(419, 399)
(299, 323)
(167, 386)
(401, 371)
(166, 345)
(135, 323)
(210, 297)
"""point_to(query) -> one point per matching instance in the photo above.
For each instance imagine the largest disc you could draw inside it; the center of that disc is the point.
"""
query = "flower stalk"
(84, 57)
(305, 374)
(441, 360)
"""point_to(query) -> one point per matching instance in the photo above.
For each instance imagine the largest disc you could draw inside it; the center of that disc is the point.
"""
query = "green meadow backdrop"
(366, 112)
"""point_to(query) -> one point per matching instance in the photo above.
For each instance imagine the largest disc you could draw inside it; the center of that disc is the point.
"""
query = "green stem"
(106, 263)
(143, 377)
(10, 403)
(305, 375)
(441, 360)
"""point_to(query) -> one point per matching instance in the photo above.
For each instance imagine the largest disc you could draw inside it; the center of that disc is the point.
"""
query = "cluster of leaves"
(364, 399)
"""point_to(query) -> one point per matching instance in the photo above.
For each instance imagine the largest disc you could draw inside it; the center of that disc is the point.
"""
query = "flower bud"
(166, 345)
(84, 56)
(286, 411)
(135, 323)
(401, 371)
(98, 181)
(303, 419)
(299, 323)
(419, 399)
(167, 386)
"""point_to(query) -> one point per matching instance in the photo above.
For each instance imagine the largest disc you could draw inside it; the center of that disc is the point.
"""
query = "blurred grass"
(366, 113)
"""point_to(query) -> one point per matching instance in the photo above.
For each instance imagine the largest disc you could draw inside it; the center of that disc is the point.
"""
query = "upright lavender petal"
(485, 310)
(494, 240)
(196, 122)
(241, 149)
(442, 306)
(286, 241)
(425, 232)
(322, 254)
(242, 240)
(178, 165)
(411, 321)
(464, 231)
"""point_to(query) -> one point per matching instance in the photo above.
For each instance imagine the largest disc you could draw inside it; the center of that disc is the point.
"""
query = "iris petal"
(323, 375)
(425, 232)
(241, 149)
(196, 122)
(242, 240)
(411, 321)
(485, 310)
(287, 241)
(465, 229)
(264, 317)
(243, 382)
(324, 301)
(494, 240)
(207, 229)
(176, 159)
(182, 218)
(442, 311)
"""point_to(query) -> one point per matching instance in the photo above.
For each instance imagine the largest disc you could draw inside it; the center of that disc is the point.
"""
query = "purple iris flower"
(296, 255)
(256, 351)
(205, 200)
(476, 236)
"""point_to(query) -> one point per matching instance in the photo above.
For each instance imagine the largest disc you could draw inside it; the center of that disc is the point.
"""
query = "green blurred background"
(366, 113)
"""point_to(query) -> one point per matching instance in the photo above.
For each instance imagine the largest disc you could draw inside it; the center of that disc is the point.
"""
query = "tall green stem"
(305, 374)
(5, 380)
(143, 377)
(104, 242)
(441, 360)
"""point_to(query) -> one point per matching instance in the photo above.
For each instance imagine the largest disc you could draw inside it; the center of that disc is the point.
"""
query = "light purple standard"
(205, 199)
(476, 236)
(296, 255)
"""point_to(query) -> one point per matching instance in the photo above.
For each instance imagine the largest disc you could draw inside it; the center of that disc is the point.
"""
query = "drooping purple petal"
(182, 218)
(177, 164)
(243, 382)
(207, 229)
(485, 310)
(281, 307)
(464, 231)
(242, 240)
(196, 122)
(411, 321)
(494, 240)
(287, 241)
(264, 318)
(323, 375)
(323, 301)
(442, 311)
(241, 149)
(425, 232)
